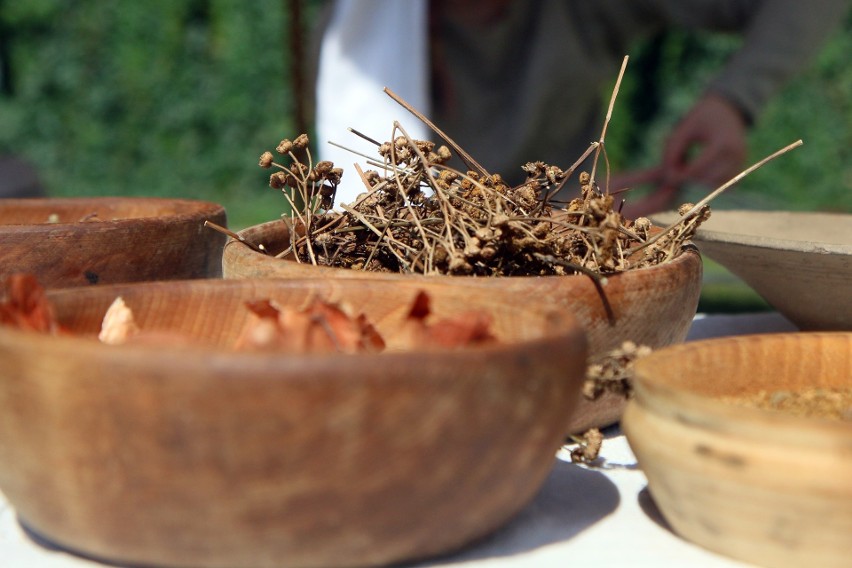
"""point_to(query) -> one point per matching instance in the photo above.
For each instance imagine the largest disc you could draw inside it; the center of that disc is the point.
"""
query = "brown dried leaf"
(471, 328)
(119, 327)
(262, 331)
(118, 324)
(420, 308)
(588, 447)
(320, 328)
(25, 306)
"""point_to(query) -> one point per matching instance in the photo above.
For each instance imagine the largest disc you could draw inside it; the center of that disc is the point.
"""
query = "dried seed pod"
(642, 224)
(278, 180)
(301, 142)
(553, 174)
(266, 160)
(588, 447)
(444, 153)
(323, 167)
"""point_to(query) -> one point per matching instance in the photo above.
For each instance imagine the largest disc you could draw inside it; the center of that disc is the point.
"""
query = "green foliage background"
(178, 98)
(160, 97)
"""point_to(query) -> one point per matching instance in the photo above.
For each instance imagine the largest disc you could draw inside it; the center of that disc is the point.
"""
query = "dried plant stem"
(592, 147)
(350, 150)
(425, 164)
(467, 158)
(381, 234)
(598, 280)
(715, 193)
(257, 248)
(608, 115)
(363, 136)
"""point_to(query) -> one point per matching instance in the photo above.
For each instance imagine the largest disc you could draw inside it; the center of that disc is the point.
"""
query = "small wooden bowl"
(763, 486)
(197, 456)
(652, 306)
(103, 240)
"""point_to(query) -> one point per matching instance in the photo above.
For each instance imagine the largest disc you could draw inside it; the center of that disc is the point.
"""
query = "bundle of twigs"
(419, 215)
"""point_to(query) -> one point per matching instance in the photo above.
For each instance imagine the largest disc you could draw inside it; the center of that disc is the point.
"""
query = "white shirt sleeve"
(370, 45)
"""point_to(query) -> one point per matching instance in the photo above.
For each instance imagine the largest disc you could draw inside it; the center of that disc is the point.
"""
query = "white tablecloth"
(596, 516)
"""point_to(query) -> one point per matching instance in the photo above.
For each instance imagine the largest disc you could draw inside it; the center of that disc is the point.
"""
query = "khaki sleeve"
(780, 40)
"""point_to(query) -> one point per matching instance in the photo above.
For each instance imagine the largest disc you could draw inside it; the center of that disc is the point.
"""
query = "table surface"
(600, 514)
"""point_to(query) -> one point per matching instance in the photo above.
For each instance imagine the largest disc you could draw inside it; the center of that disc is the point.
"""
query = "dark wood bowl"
(652, 306)
(103, 240)
(199, 456)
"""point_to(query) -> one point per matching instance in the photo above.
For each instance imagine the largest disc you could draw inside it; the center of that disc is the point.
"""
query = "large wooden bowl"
(103, 240)
(764, 486)
(653, 306)
(202, 457)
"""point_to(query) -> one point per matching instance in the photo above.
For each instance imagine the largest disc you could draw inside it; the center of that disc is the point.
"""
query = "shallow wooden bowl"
(653, 306)
(197, 456)
(799, 262)
(103, 240)
(763, 486)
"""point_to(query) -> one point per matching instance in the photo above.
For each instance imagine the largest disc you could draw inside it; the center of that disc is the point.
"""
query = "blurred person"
(19, 178)
(513, 81)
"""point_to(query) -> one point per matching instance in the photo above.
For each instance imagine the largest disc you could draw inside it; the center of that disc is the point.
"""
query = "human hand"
(718, 130)
(660, 199)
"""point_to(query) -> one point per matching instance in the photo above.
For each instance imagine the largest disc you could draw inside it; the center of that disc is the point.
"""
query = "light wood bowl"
(197, 456)
(103, 240)
(652, 306)
(763, 486)
(799, 262)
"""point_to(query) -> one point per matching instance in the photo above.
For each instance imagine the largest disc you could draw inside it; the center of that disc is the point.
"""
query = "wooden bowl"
(652, 306)
(203, 457)
(799, 262)
(103, 240)
(764, 486)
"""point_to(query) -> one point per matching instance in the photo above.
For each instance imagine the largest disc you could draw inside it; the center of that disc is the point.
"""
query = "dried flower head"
(278, 180)
(588, 446)
(266, 160)
(301, 142)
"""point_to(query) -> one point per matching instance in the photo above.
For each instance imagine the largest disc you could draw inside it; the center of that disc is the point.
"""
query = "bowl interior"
(751, 363)
(698, 377)
(214, 311)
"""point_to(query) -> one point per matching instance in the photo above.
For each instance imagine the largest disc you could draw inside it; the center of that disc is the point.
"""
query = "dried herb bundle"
(420, 216)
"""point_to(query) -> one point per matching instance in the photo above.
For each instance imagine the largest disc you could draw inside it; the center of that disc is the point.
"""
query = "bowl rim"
(653, 390)
(566, 329)
(768, 242)
(276, 368)
(197, 208)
